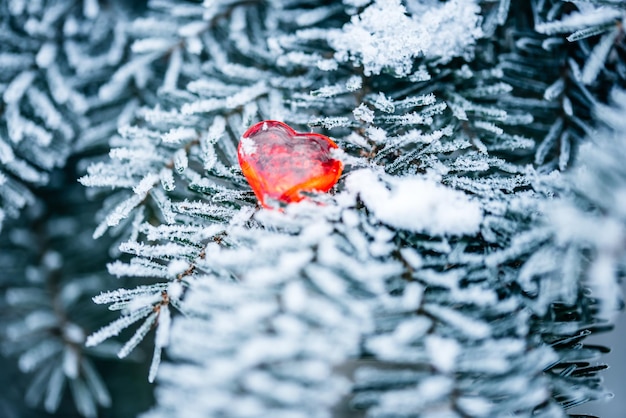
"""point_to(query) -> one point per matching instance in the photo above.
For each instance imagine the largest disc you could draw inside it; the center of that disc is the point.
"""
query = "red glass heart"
(279, 162)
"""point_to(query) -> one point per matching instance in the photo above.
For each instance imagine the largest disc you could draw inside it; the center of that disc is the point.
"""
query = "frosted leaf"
(411, 330)
(470, 327)
(523, 243)
(146, 183)
(605, 285)
(167, 179)
(180, 160)
(329, 91)
(330, 122)
(115, 327)
(420, 75)
(54, 390)
(15, 61)
(413, 101)
(139, 335)
(164, 204)
(568, 109)
(163, 330)
(554, 90)
(46, 55)
(21, 128)
(548, 142)
(246, 95)
(417, 204)
(412, 257)
(413, 118)
(564, 154)
(95, 383)
(250, 110)
(376, 134)
(82, 398)
(170, 81)
(35, 321)
(595, 61)
(18, 87)
(91, 8)
(70, 362)
(216, 131)
(578, 20)
(364, 113)
(205, 210)
(404, 401)
(492, 90)
(491, 127)
(192, 28)
(151, 45)
(58, 88)
(155, 363)
(128, 294)
(35, 356)
(72, 332)
(120, 212)
(357, 3)
(176, 267)
(141, 301)
(383, 103)
(119, 269)
(156, 251)
(70, 26)
(175, 290)
(410, 300)
(475, 406)
(120, 79)
(44, 108)
(311, 17)
(443, 352)
(458, 111)
(326, 280)
(589, 32)
(354, 83)
(6, 154)
(147, 26)
(326, 64)
(178, 135)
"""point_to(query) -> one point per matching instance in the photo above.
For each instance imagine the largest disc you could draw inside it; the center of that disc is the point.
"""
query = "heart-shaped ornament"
(279, 162)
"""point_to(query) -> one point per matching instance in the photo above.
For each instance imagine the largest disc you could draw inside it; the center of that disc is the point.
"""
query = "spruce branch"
(478, 311)
(52, 56)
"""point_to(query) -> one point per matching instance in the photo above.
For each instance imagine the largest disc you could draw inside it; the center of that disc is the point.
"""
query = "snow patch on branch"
(385, 37)
(417, 204)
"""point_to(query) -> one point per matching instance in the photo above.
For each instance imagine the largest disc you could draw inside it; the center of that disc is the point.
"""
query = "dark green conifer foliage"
(473, 243)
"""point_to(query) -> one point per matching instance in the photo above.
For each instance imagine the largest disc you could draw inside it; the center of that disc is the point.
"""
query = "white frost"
(382, 36)
(176, 267)
(443, 352)
(579, 20)
(385, 36)
(455, 23)
(248, 146)
(417, 204)
(364, 113)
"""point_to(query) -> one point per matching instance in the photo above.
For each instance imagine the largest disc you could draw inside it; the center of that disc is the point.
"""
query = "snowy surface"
(417, 204)
(385, 37)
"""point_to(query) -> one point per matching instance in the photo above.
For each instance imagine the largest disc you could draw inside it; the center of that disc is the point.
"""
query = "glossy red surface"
(279, 162)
